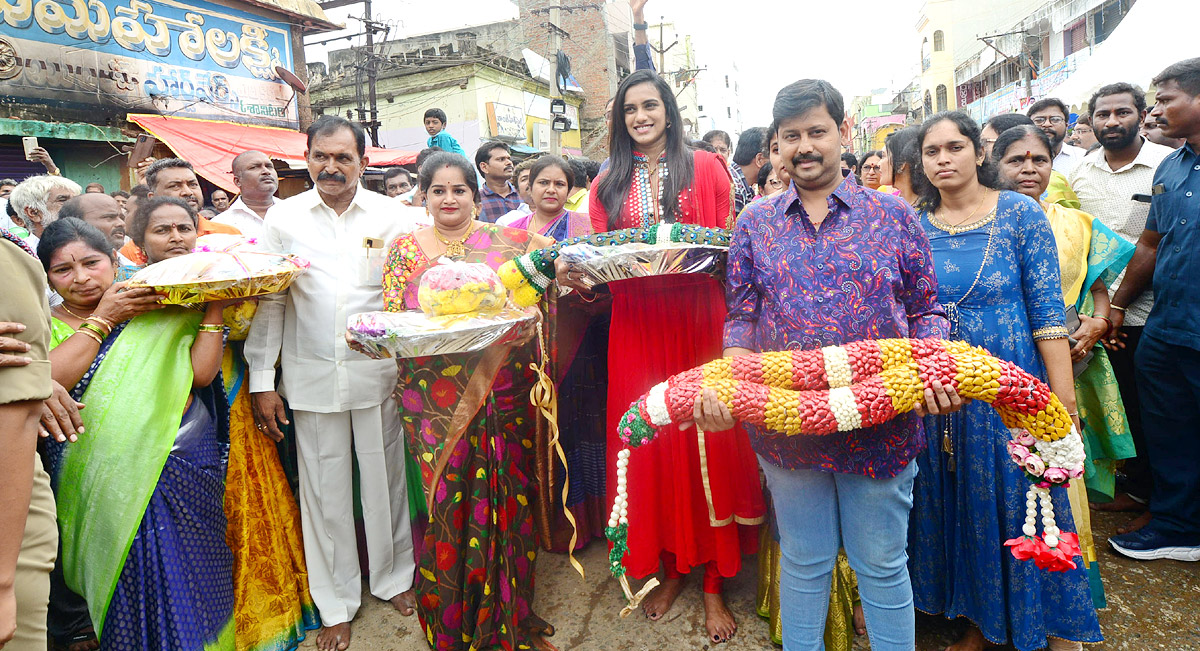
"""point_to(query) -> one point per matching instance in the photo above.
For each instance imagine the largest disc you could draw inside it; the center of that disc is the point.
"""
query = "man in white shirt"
(338, 396)
(1051, 116)
(257, 182)
(1114, 185)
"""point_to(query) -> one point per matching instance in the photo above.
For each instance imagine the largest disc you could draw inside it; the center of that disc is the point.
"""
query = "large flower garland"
(862, 384)
(529, 276)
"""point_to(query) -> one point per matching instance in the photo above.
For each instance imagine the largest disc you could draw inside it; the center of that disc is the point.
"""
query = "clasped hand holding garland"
(863, 384)
(529, 276)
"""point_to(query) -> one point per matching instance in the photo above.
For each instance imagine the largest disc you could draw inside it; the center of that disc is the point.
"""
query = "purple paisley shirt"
(866, 274)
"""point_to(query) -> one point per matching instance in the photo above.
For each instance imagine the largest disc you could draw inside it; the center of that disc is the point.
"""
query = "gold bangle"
(103, 321)
(93, 328)
(1114, 306)
(91, 334)
(212, 327)
(104, 329)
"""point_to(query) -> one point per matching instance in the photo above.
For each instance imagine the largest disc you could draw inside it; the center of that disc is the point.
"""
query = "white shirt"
(511, 216)
(239, 216)
(1107, 195)
(305, 326)
(1067, 159)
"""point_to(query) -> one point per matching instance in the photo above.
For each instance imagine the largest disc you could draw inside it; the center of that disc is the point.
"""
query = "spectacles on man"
(871, 168)
(1041, 120)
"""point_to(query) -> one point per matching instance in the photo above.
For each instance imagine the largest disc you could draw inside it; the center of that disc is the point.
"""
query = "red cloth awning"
(210, 145)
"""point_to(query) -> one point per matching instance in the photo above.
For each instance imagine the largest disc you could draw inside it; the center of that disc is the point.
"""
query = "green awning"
(62, 130)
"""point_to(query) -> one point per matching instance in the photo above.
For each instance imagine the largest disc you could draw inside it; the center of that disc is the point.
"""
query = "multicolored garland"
(529, 276)
(862, 384)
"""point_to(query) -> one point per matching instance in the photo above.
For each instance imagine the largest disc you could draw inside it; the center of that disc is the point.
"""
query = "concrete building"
(875, 116)
(718, 102)
(935, 29)
(676, 62)
(1028, 49)
(71, 80)
(485, 94)
(599, 43)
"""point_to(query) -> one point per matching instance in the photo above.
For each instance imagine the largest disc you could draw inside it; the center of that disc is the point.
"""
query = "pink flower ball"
(1026, 439)
(1055, 475)
(1034, 465)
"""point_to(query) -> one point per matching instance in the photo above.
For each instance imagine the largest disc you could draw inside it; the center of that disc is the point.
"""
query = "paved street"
(1152, 606)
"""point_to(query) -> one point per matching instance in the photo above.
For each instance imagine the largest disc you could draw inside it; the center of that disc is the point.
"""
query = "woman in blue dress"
(998, 278)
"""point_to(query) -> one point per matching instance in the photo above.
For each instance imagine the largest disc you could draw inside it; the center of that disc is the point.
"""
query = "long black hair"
(930, 198)
(65, 230)
(613, 187)
(901, 146)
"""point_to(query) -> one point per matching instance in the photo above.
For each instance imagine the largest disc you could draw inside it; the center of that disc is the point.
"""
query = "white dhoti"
(327, 506)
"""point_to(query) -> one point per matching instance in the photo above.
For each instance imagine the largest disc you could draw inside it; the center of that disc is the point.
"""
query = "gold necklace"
(970, 216)
(454, 248)
(68, 311)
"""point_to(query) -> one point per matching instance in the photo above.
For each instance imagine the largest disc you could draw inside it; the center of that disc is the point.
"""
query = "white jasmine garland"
(845, 409)
(837, 366)
(656, 406)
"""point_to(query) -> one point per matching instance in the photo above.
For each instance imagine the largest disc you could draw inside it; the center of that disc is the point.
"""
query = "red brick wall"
(590, 48)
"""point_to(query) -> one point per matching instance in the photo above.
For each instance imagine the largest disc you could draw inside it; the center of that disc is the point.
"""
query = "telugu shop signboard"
(194, 59)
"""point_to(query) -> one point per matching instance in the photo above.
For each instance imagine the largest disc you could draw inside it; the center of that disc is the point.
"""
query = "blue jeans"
(812, 509)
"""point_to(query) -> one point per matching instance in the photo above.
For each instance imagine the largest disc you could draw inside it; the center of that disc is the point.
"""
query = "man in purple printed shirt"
(825, 263)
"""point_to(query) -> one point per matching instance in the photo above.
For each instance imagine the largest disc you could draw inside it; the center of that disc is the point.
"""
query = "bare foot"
(334, 638)
(860, 620)
(717, 619)
(1135, 524)
(405, 602)
(659, 601)
(971, 640)
(1122, 503)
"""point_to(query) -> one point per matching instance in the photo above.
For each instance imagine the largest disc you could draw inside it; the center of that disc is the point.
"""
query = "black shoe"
(1148, 544)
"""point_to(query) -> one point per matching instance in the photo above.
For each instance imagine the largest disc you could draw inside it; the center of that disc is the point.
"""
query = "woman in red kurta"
(698, 498)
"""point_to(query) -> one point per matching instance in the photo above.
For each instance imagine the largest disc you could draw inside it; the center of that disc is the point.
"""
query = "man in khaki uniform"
(28, 530)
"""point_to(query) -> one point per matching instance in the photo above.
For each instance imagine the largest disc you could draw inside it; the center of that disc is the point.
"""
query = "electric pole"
(368, 116)
(555, 46)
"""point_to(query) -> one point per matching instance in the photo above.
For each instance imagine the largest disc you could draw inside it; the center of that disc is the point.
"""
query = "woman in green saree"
(470, 427)
(140, 495)
(1090, 257)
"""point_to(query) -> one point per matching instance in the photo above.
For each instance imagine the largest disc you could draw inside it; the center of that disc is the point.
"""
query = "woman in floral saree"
(470, 427)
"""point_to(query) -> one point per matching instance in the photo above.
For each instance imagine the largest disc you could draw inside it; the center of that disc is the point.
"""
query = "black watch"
(640, 26)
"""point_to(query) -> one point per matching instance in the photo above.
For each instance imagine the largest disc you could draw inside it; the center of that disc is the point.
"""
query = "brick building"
(599, 43)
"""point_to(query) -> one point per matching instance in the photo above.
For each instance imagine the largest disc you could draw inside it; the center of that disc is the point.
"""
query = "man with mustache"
(175, 177)
(338, 396)
(791, 259)
(255, 176)
(1051, 116)
(1169, 355)
(103, 212)
(1106, 182)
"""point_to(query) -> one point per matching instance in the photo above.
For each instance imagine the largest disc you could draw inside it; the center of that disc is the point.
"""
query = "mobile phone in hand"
(142, 149)
(30, 144)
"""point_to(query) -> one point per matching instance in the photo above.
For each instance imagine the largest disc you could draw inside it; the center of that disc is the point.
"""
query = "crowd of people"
(158, 510)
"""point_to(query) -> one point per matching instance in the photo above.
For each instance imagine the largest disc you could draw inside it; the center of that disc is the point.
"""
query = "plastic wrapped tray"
(415, 334)
(605, 264)
(205, 276)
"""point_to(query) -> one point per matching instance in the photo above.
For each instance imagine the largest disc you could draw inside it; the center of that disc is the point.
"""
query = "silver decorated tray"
(416, 334)
(605, 264)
